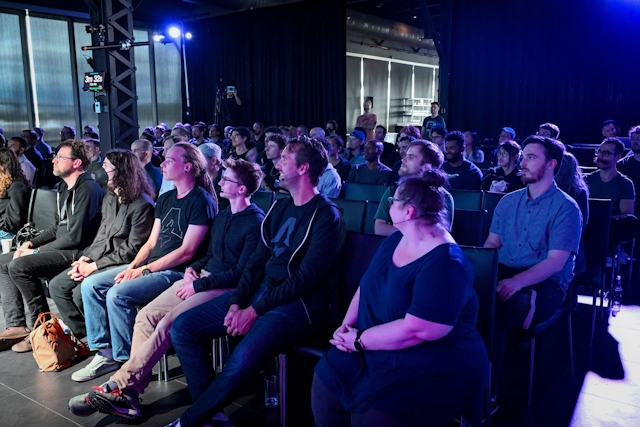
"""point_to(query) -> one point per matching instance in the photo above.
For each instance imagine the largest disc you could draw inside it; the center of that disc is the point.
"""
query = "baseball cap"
(209, 149)
(358, 134)
(509, 130)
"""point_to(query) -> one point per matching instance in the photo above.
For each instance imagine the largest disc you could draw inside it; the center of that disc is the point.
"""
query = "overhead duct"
(241, 5)
(386, 29)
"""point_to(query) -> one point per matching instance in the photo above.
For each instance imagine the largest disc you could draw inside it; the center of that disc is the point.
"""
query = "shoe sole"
(100, 372)
(532, 310)
(85, 413)
(104, 406)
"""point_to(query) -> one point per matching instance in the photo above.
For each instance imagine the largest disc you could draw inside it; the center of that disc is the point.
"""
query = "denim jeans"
(271, 333)
(110, 310)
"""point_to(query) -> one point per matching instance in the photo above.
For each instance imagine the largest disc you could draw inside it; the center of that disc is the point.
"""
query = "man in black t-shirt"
(630, 166)
(432, 121)
(463, 175)
(282, 295)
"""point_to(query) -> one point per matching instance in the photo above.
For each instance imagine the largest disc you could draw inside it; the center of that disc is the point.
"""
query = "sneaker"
(15, 332)
(80, 406)
(99, 366)
(121, 403)
(23, 346)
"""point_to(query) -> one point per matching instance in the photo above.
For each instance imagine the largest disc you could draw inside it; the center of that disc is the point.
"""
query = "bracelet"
(357, 344)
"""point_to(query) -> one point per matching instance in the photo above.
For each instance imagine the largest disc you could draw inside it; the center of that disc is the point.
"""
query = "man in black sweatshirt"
(77, 219)
(283, 294)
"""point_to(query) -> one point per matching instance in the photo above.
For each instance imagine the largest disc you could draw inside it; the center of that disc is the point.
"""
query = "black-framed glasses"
(603, 153)
(225, 179)
(393, 199)
(57, 156)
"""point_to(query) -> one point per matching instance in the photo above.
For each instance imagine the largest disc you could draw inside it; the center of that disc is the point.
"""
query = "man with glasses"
(77, 219)
(608, 183)
(549, 130)
(143, 150)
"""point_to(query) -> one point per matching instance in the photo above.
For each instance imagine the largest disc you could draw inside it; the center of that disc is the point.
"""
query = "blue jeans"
(271, 334)
(116, 306)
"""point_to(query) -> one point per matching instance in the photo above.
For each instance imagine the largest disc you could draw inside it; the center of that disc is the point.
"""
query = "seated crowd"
(161, 246)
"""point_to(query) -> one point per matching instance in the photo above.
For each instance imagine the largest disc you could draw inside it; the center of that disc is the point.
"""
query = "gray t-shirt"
(360, 174)
(619, 188)
(529, 229)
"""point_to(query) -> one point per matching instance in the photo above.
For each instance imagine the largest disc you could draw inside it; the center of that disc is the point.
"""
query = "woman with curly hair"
(14, 195)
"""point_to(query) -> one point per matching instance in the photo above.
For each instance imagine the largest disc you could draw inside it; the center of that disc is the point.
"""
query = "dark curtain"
(288, 64)
(523, 63)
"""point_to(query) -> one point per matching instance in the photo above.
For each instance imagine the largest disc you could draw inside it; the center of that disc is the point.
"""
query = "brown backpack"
(54, 349)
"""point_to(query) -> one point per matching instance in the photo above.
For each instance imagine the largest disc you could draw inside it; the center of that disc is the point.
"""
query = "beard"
(532, 176)
(635, 149)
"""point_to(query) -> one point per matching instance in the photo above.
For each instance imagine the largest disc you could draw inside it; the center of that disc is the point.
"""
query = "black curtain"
(523, 63)
(288, 64)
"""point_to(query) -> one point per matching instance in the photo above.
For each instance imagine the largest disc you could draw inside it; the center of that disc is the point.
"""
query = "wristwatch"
(145, 270)
(357, 344)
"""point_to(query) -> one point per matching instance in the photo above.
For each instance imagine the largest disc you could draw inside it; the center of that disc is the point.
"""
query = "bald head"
(316, 133)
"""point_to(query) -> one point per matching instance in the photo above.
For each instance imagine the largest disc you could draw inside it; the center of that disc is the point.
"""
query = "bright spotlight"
(158, 38)
(188, 36)
(174, 32)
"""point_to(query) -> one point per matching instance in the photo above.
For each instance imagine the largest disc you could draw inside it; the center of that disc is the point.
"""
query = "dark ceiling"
(406, 11)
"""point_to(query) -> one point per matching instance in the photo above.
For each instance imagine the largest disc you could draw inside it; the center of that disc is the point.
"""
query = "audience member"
(549, 130)
(330, 182)
(91, 135)
(316, 133)
(355, 148)
(403, 145)
(240, 137)
(95, 167)
(275, 145)
(215, 134)
(30, 152)
(411, 131)
(331, 128)
(167, 184)
(302, 131)
(259, 135)
(437, 135)
(232, 108)
(213, 155)
(18, 145)
(421, 157)
(630, 165)
(189, 130)
(570, 180)
(373, 172)
(608, 183)
(336, 158)
(507, 176)
(609, 129)
(77, 219)
(215, 274)
(432, 121)
(67, 132)
(367, 120)
(199, 134)
(390, 154)
(182, 220)
(537, 232)
(14, 195)
(90, 129)
(409, 339)
(44, 148)
(127, 218)
(472, 151)
(282, 295)
(158, 133)
(143, 150)
(463, 175)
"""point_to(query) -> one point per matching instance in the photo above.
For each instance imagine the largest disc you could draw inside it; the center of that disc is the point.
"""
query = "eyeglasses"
(393, 199)
(225, 179)
(603, 153)
(56, 156)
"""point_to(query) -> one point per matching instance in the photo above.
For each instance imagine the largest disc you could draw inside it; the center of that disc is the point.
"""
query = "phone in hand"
(231, 89)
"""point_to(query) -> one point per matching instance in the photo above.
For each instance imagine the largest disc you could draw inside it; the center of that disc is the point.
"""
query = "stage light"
(188, 36)
(158, 38)
(174, 32)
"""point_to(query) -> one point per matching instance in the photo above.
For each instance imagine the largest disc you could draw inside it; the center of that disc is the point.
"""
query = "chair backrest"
(359, 249)
(353, 191)
(489, 202)
(46, 178)
(467, 199)
(43, 208)
(352, 213)
(281, 195)
(469, 227)
(485, 280)
(263, 199)
(596, 234)
(369, 217)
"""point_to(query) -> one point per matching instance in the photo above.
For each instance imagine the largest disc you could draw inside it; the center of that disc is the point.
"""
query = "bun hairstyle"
(425, 193)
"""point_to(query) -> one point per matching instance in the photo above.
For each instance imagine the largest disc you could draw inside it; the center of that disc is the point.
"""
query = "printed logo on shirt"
(170, 227)
(282, 240)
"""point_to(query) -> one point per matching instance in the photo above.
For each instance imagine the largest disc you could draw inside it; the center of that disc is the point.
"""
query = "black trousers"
(67, 295)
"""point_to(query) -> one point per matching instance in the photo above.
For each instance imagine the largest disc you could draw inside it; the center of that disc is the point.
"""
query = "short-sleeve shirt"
(437, 287)
(430, 122)
(361, 174)
(467, 176)
(619, 188)
(383, 208)
(175, 215)
(529, 229)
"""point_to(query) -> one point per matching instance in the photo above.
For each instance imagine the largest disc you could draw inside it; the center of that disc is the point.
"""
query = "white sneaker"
(99, 366)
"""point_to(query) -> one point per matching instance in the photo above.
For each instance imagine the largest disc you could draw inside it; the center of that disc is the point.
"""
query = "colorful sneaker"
(80, 406)
(120, 403)
(99, 366)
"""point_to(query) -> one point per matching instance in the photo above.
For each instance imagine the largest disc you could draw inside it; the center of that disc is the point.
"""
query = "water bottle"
(616, 298)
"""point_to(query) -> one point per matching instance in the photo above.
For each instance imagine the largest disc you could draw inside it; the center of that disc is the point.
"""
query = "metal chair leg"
(593, 316)
(531, 363)
(570, 343)
(159, 368)
(165, 367)
(282, 384)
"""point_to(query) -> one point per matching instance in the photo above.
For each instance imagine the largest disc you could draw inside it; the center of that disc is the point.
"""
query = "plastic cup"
(271, 391)
(6, 245)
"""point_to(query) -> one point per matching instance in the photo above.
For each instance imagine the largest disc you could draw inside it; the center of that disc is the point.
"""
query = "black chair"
(263, 199)
(364, 246)
(469, 227)
(353, 191)
(467, 199)
(489, 202)
(485, 280)
(282, 195)
(42, 208)
(369, 217)
(46, 178)
(596, 241)
(352, 213)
